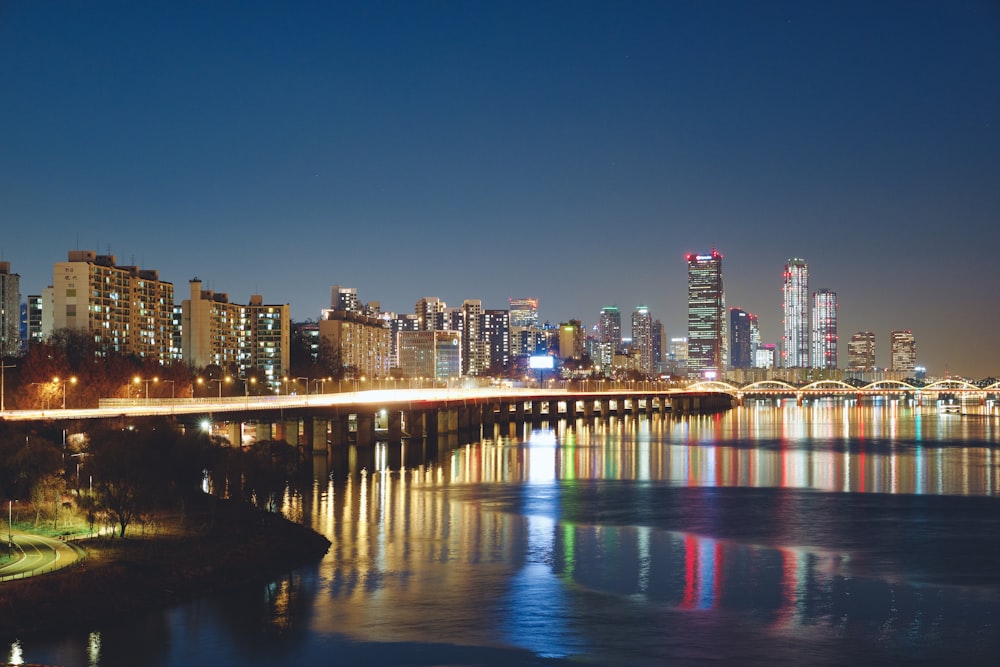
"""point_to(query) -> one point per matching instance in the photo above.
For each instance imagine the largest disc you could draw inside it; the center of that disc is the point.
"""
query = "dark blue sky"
(572, 151)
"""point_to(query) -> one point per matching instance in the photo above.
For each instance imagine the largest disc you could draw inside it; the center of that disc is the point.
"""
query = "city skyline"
(573, 152)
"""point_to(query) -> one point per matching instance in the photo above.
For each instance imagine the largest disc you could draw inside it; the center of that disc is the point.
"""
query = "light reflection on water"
(823, 534)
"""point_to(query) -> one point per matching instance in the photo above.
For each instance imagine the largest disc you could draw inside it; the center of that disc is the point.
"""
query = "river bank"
(218, 545)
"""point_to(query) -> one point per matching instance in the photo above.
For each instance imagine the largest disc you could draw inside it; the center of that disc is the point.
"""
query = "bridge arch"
(712, 385)
(769, 385)
(829, 384)
(888, 384)
(945, 385)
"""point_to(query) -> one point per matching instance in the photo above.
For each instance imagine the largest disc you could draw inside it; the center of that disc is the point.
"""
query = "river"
(824, 534)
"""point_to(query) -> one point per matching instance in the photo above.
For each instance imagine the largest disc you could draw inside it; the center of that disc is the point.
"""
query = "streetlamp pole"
(3, 381)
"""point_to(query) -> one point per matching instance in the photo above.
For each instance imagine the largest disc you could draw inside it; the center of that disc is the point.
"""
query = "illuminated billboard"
(541, 362)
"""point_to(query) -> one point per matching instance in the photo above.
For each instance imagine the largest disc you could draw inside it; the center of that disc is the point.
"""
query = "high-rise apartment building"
(824, 329)
(126, 309)
(523, 312)
(609, 328)
(473, 344)
(740, 350)
(496, 340)
(430, 314)
(861, 351)
(365, 343)
(795, 307)
(345, 298)
(707, 326)
(642, 338)
(398, 323)
(904, 351)
(10, 312)
(231, 335)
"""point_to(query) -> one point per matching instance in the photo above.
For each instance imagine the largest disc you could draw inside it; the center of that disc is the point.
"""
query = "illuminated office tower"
(642, 338)
(523, 312)
(795, 306)
(430, 354)
(124, 308)
(904, 351)
(861, 351)
(572, 340)
(609, 328)
(824, 329)
(740, 350)
(10, 312)
(707, 324)
(754, 337)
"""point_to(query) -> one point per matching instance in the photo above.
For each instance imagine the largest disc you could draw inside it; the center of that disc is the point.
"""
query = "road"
(38, 555)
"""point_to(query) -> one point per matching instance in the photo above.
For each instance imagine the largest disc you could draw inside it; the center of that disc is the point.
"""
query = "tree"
(119, 469)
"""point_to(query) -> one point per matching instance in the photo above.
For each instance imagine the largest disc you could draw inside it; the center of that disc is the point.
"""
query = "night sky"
(570, 151)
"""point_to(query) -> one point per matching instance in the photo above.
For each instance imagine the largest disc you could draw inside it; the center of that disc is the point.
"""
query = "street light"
(138, 380)
(3, 381)
(72, 380)
(246, 384)
(219, 380)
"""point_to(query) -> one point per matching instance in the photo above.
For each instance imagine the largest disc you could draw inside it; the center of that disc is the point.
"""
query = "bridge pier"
(366, 429)
(395, 425)
(338, 429)
(319, 433)
(264, 431)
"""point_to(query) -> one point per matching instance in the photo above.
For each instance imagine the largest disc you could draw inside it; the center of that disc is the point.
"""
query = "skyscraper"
(642, 338)
(523, 312)
(740, 349)
(795, 292)
(10, 311)
(609, 329)
(824, 329)
(496, 340)
(861, 351)
(706, 315)
(904, 351)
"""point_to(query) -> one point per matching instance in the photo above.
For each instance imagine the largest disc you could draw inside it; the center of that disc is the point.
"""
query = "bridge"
(951, 388)
(322, 420)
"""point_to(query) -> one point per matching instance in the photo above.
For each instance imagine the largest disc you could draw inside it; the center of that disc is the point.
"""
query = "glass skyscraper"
(642, 337)
(740, 349)
(795, 290)
(706, 315)
(824, 329)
